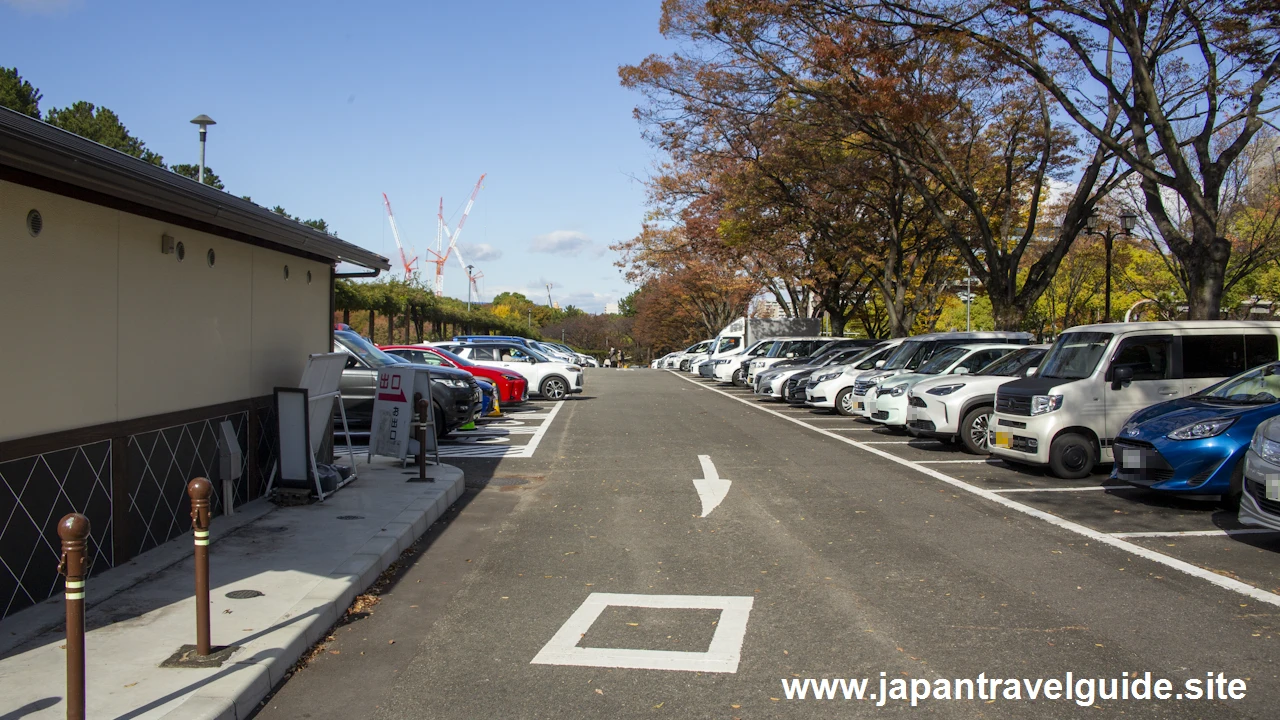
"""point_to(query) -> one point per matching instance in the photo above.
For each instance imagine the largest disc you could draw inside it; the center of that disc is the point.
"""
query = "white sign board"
(393, 410)
(321, 379)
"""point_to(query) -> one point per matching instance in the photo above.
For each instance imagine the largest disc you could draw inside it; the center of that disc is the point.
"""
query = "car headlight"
(574, 368)
(453, 382)
(1202, 429)
(892, 391)
(945, 389)
(826, 376)
(1265, 447)
(510, 378)
(722, 362)
(1041, 404)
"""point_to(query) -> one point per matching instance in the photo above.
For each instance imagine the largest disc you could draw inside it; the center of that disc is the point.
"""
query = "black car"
(455, 393)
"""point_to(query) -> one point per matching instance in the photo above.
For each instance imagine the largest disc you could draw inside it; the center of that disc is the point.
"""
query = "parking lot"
(1198, 532)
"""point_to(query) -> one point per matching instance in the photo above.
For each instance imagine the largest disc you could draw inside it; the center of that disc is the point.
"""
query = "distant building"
(612, 309)
(769, 309)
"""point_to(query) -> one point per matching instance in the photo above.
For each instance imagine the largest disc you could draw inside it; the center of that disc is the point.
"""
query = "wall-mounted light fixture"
(167, 244)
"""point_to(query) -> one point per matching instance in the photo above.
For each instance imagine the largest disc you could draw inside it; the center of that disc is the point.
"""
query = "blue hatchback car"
(1196, 445)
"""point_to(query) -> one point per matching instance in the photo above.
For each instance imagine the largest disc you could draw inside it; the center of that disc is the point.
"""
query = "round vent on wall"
(35, 223)
(308, 277)
(286, 272)
(210, 257)
(181, 251)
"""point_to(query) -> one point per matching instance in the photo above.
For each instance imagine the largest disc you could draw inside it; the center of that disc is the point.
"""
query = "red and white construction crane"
(442, 253)
(395, 232)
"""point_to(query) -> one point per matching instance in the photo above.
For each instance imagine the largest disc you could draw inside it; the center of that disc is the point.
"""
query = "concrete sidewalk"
(309, 562)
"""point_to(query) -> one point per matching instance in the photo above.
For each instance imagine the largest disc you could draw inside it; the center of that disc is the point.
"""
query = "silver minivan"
(1096, 376)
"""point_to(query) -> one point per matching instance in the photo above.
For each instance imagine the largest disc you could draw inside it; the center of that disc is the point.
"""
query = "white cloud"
(42, 7)
(562, 242)
(479, 252)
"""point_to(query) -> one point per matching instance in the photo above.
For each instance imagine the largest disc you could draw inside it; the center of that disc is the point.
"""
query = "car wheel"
(554, 388)
(1231, 498)
(973, 430)
(1071, 456)
(684, 365)
(844, 401)
(738, 379)
(437, 417)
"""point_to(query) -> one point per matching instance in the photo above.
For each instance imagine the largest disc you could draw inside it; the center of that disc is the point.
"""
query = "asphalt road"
(855, 560)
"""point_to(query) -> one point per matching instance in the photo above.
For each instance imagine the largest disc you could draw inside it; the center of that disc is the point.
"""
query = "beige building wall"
(104, 327)
(58, 352)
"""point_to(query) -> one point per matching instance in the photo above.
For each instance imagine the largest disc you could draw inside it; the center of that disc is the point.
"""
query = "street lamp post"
(469, 273)
(548, 294)
(204, 121)
(1127, 222)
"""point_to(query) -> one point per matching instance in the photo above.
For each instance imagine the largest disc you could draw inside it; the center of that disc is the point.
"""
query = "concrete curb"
(262, 664)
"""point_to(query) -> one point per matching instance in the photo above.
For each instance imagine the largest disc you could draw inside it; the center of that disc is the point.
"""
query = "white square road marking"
(721, 656)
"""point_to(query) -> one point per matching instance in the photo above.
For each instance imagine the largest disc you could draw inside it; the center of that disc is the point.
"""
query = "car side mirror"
(1120, 376)
(960, 371)
(879, 363)
(352, 362)
(1031, 371)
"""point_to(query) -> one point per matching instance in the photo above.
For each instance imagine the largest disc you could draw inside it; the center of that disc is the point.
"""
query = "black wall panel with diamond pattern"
(36, 491)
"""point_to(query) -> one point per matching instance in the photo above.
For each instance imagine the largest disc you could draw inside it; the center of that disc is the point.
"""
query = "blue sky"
(323, 106)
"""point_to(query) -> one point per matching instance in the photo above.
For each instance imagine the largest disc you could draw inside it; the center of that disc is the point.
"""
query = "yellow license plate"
(1004, 439)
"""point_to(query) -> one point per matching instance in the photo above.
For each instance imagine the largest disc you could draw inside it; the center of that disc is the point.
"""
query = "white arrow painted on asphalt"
(711, 489)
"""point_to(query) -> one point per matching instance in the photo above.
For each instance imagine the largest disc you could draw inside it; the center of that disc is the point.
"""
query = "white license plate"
(1130, 459)
(1273, 487)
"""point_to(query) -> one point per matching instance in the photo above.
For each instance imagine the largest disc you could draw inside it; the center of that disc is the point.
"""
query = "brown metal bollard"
(200, 491)
(421, 404)
(74, 531)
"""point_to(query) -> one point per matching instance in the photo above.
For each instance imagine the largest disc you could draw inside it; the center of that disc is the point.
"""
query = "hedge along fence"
(414, 312)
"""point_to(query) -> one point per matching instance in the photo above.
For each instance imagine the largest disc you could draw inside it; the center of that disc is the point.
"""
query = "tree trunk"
(373, 322)
(346, 317)
(1205, 263)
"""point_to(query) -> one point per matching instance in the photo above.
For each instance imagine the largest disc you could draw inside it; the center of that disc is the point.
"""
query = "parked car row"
(470, 374)
(1185, 408)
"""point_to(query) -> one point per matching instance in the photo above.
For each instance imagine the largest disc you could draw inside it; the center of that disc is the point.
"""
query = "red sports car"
(512, 386)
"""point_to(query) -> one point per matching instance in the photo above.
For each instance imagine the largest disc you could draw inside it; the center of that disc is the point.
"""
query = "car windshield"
(869, 359)
(1074, 356)
(365, 350)
(1259, 386)
(904, 354)
(729, 343)
(1015, 363)
(826, 358)
(943, 360)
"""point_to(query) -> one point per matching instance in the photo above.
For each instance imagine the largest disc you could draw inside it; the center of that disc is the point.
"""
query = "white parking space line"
(1119, 543)
(901, 442)
(1196, 533)
(994, 463)
(1068, 489)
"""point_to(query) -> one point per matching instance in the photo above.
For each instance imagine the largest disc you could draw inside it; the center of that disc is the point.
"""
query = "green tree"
(102, 126)
(18, 94)
(317, 223)
(193, 171)
(629, 305)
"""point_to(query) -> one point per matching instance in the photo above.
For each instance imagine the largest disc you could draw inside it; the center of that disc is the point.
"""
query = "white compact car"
(951, 407)
(549, 378)
(730, 368)
(832, 387)
(886, 401)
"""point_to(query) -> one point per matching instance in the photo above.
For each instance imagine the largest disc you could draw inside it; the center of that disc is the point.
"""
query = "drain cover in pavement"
(244, 594)
(350, 517)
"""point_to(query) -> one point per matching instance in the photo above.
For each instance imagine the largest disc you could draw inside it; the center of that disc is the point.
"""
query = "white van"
(1096, 376)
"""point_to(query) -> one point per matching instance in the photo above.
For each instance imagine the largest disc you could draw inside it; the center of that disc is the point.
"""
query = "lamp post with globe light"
(204, 121)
